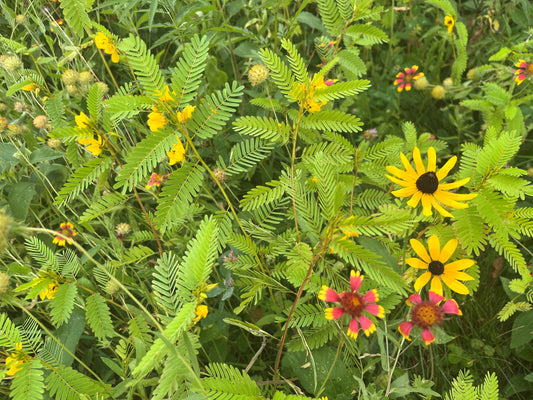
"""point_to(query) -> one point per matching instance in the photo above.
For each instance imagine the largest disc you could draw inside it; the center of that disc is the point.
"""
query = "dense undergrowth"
(266, 199)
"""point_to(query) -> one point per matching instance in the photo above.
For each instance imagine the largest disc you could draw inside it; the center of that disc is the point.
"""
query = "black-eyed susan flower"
(437, 271)
(105, 43)
(426, 314)
(525, 70)
(66, 229)
(449, 21)
(176, 153)
(405, 79)
(424, 185)
(15, 360)
(156, 121)
(353, 304)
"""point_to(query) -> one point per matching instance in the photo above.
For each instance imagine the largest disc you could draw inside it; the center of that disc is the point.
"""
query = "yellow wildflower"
(156, 121)
(14, 361)
(185, 114)
(104, 42)
(449, 21)
(201, 312)
(177, 153)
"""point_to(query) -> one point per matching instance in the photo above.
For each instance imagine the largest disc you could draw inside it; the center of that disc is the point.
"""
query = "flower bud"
(112, 287)
(86, 77)
(421, 83)
(258, 74)
(12, 63)
(447, 83)
(53, 143)
(104, 87)
(20, 19)
(5, 228)
(4, 283)
(18, 107)
(70, 77)
(123, 229)
(438, 92)
(73, 90)
(4, 122)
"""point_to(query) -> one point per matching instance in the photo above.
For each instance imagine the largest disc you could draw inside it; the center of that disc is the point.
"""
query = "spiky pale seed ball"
(40, 121)
(3, 58)
(421, 83)
(112, 287)
(73, 90)
(3, 107)
(20, 19)
(220, 174)
(104, 87)
(4, 283)
(14, 130)
(70, 77)
(122, 229)
(12, 63)
(4, 122)
(53, 143)
(18, 107)
(447, 83)
(438, 92)
(86, 77)
(258, 74)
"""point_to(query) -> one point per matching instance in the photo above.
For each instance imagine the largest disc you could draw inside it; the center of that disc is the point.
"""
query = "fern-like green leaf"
(76, 17)
(62, 304)
(186, 77)
(81, 179)
(164, 282)
(28, 383)
(264, 128)
(41, 253)
(247, 154)
(179, 192)
(133, 255)
(55, 109)
(127, 106)
(99, 317)
(104, 205)
(295, 61)
(341, 90)
(308, 315)
(332, 120)
(65, 383)
(261, 195)
(351, 63)
(460, 62)
(225, 382)
(508, 249)
(144, 65)
(9, 333)
(279, 72)
(470, 230)
(330, 16)
(215, 110)
(367, 35)
(144, 158)
(489, 390)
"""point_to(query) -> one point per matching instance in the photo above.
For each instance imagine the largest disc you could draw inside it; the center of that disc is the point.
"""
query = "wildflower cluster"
(305, 93)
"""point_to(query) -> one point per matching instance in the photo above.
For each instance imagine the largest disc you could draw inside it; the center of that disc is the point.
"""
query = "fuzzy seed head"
(73, 90)
(86, 77)
(447, 83)
(421, 83)
(14, 130)
(53, 143)
(258, 74)
(20, 19)
(220, 174)
(112, 287)
(70, 77)
(122, 229)
(40, 121)
(438, 92)
(18, 107)
(3, 107)
(4, 283)
(104, 87)
(12, 63)
(4, 122)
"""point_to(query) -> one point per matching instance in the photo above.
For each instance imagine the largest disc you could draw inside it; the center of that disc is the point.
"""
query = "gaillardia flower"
(437, 270)
(427, 314)
(65, 229)
(449, 21)
(526, 69)
(404, 80)
(156, 180)
(353, 304)
(424, 184)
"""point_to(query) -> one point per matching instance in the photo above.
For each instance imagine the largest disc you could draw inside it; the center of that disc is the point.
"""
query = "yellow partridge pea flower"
(424, 185)
(436, 270)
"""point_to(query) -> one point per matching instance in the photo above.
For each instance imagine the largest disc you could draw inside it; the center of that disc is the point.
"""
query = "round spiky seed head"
(5, 228)
(220, 174)
(438, 92)
(258, 74)
(53, 143)
(12, 63)
(40, 121)
(3, 107)
(4, 122)
(18, 107)
(73, 90)
(104, 87)
(421, 83)
(70, 77)
(4, 283)
(112, 287)
(123, 229)
(20, 19)
(447, 83)
(3, 58)
(86, 77)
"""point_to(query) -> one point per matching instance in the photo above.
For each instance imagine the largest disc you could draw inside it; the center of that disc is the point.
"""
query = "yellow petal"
(407, 165)
(439, 208)
(416, 263)
(426, 204)
(447, 198)
(443, 172)
(399, 181)
(432, 159)
(406, 176)
(448, 250)
(436, 285)
(459, 265)
(405, 192)
(455, 285)
(422, 280)
(453, 185)
(418, 161)
(434, 247)
(415, 199)
(420, 250)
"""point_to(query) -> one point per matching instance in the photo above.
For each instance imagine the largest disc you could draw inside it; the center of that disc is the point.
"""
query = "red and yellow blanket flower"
(525, 70)
(65, 229)
(404, 79)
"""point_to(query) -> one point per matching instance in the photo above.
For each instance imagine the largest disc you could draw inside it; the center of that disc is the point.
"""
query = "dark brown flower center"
(352, 304)
(436, 267)
(426, 314)
(427, 183)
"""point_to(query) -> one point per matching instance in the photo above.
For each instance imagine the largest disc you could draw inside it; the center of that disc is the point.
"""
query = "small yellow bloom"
(50, 291)
(82, 120)
(104, 43)
(449, 21)
(185, 114)
(13, 361)
(165, 96)
(156, 121)
(201, 312)
(177, 153)
(30, 87)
